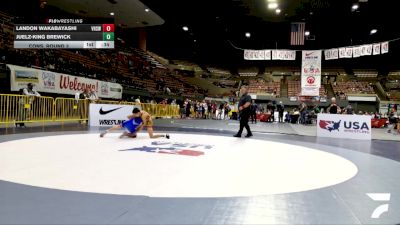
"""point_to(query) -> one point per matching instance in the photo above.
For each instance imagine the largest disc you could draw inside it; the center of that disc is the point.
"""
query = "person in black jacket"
(244, 112)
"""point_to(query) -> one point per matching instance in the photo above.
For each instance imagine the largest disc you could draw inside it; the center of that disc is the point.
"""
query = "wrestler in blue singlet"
(132, 124)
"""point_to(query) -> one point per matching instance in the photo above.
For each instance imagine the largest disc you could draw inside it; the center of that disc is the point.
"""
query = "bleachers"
(394, 95)
(294, 88)
(365, 73)
(260, 86)
(352, 87)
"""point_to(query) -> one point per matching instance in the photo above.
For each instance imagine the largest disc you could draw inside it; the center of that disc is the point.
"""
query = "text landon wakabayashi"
(45, 28)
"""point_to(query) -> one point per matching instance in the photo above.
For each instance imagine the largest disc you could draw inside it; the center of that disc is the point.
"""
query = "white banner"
(331, 54)
(103, 115)
(290, 55)
(269, 54)
(377, 49)
(335, 53)
(342, 52)
(51, 82)
(311, 73)
(384, 47)
(357, 51)
(366, 50)
(349, 52)
(369, 49)
(344, 126)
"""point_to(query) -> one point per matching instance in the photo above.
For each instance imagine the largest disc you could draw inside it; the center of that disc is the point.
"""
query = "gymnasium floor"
(202, 175)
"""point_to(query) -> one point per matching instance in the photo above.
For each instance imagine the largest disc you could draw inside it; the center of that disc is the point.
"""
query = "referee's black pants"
(244, 123)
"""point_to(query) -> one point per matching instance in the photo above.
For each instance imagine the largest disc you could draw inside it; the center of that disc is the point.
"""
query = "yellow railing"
(26, 109)
(21, 108)
(67, 109)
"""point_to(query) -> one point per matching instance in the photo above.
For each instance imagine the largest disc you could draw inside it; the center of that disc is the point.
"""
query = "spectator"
(303, 112)
(349, 109)
(253, 108)
(333, 108)
(281, 109)
(29, 91)
(92, 95)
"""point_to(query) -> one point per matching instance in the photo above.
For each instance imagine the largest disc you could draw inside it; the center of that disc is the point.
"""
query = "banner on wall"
(335, 53)
(269, 55)
(344, 126)
(105, 115)
(51, 82)
(311, 73)
(331, 54)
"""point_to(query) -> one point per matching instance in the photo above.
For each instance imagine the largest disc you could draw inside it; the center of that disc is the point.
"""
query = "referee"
(244, 112)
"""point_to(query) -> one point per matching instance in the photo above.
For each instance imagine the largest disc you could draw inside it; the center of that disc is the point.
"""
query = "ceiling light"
(373, 31)
(111, 14)
(307, 33)
(185, 28)
(272, 5)
(355, 7)
(147, 10)
(194, 40)
(278, 11)
(271, 1)
(248, 35)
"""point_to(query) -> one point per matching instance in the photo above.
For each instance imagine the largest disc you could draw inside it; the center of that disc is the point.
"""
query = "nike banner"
(311, 73)
(344, 126)
(105, 115)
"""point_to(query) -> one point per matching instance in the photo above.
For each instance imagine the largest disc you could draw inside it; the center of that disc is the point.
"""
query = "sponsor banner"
(293, 99)
(105, 115)
(344, 126)
(51, 82)
(311, 73)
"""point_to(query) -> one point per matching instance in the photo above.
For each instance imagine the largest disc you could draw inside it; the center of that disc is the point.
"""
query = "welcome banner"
(51, 82)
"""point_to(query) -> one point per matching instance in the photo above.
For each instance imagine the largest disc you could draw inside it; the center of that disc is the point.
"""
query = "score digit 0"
(108, 27)
(108, 36)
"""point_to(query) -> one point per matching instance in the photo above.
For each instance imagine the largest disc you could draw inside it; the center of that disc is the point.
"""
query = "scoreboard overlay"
(73, 36)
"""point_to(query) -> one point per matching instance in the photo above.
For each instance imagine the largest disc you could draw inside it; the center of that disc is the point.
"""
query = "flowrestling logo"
(329, 125)
(174, 148)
